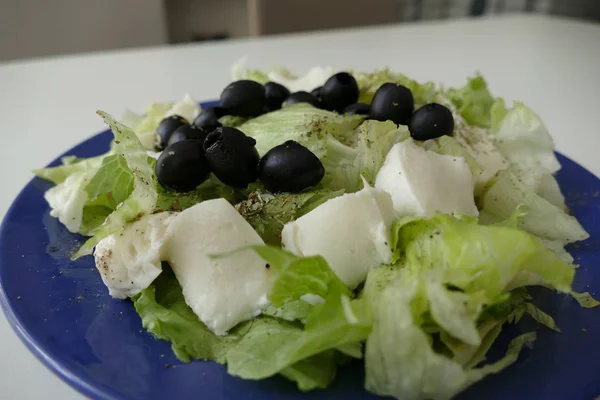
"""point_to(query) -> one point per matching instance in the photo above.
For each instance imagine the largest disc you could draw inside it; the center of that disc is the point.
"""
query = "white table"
(47, 106)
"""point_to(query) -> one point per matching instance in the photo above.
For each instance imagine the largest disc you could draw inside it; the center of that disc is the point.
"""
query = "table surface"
(48, 105)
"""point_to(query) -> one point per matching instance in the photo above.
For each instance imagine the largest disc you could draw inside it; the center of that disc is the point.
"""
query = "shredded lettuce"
(542, 218)
(70, 166)
(585, 299)
(368, 84)
(143, 196)
(400, 359)
(472, 257)
(473, 101)
(295, 277)
(522, 138)
(144, 126)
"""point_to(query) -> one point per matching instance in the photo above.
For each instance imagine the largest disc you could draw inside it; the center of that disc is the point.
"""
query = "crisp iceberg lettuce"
(473, 257)
(368, 83)
(473, 101)
(400, 359)
(451, 290)
(145, 125)
(542, 218)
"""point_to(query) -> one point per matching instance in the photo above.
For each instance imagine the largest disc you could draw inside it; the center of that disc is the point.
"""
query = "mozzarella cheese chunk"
(422, 182)
(351, 232)
(221, 291)
(130, 261)
(67, 199)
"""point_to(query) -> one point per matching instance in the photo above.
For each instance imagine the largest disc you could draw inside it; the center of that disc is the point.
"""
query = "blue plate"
(63, 313)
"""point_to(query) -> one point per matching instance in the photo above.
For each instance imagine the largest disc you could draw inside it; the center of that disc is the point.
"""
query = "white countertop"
(47, 106)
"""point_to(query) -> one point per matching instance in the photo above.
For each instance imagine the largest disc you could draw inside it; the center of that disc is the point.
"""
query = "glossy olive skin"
(276, 95)
(231, 156)
(357, 109)
(339, 91)
(208, 119)
(182, 166)
(290, 167)
(302, 97)
(392, 102)
(244, 98)
(167, 126)
(317, 92)
(431, 121)
(187, 132)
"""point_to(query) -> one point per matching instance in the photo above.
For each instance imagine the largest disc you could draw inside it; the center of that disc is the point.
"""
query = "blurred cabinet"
(32, 28)
(281, 16)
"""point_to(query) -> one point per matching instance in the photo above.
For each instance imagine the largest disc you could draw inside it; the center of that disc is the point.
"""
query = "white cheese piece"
(223, 291)
(130, 261)
(422, 182)
(187, 108)
(352, 233)
(67, 199)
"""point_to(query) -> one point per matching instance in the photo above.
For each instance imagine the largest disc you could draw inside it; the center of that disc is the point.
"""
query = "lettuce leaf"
(303, 123)
(522, 138)
(295, 277)
(472, 257)
(59, 174)
(337, 322)
(112, 183)
(144, 126)
(400, 357)
(473, 101)
(368, 83)
(585, 299)
(143, 196)
(542, 218)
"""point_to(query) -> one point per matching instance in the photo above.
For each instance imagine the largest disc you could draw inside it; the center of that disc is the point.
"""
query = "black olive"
(290, 167)
(276, 95)
(302, 97)
(317, 92)
(357, 109)
(244, 98)
(208, 119)
(431, 121)
(339, 91)
(231, 156)
(187, 132)
(182, 166)
(167, 126)
(392, 102)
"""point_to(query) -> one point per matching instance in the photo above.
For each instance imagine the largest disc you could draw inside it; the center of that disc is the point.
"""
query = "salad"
(310, 220)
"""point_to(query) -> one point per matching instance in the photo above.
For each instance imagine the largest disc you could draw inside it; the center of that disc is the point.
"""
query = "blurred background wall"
(34, 28)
